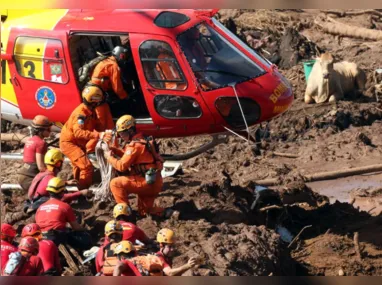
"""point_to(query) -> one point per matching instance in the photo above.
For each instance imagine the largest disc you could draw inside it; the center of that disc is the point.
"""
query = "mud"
(215, 191)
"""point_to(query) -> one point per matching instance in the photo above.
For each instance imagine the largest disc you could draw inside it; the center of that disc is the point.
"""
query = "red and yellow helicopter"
(218, 86)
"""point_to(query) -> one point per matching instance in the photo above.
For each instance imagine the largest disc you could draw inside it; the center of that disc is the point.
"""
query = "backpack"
(84, 72)
(148, 265)
(36, 182)
(15, 263)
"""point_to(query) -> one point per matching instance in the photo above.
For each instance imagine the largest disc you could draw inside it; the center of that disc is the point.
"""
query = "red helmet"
(31, 230)
(7, 231)
(29, 244)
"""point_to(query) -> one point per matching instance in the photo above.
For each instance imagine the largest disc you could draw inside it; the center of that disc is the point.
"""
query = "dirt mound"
(228, 250)
(334, 255)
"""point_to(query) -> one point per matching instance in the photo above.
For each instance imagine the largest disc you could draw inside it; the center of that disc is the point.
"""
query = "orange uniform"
(169, 72)
(78, 136)
(135, 160)
(107, 76)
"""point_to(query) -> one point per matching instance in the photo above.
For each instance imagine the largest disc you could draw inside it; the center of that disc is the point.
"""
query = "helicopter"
(187, 75)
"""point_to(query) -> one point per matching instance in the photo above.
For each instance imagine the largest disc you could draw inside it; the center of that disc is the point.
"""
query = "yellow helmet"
(124, 246)
(56, 185)
(92, 94)
(121, 209)
(53, 156)
(166, 236)
(124, 123)
(113, 227)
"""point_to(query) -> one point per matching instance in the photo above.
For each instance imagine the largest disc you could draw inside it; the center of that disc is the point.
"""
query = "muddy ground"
(215, 191)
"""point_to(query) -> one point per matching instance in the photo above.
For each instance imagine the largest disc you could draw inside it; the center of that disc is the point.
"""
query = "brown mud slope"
(215, 191)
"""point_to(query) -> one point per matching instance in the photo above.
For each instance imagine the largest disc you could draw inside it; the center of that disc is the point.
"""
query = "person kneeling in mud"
(125, 216)
(25, 261)
(166, 240)
(140, 167)
(34, 150)
(105, 259)
(53, 215)
(48, 251)
(132, 265)
(37, 193)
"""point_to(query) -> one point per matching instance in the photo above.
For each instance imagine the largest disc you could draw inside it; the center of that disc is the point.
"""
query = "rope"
(102, 191)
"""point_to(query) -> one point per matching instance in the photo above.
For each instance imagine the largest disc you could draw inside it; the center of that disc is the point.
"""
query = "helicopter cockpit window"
(216, 62)
(40, 59)
(177, 107)
(170, 19)
(161, 68)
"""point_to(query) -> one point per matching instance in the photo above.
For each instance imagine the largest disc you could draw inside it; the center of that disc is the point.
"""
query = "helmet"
(121, 209)
(113, 227)
(92, 94)
(31, 230)
(120, 53)
(41, 122)
(124, 246)
(29, 244)
(56, 185)
(166, 236)
(7, 231)
(53, 156)
(124, 123)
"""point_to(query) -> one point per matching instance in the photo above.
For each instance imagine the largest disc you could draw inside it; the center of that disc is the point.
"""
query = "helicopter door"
(172, 99)
(40, 72)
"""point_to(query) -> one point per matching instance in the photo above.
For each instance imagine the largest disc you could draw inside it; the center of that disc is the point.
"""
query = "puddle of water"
(339, 189)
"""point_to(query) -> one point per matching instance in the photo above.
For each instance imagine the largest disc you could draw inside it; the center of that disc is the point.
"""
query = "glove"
(106, 136)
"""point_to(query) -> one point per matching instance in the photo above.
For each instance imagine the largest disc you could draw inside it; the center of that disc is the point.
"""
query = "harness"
(110, 260)
(85, 71)
(153, 148)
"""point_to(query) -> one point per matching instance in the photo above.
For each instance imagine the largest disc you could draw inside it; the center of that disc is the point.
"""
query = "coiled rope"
(102, 191)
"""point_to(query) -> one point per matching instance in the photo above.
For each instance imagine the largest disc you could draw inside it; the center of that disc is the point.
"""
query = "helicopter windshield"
(215, 62)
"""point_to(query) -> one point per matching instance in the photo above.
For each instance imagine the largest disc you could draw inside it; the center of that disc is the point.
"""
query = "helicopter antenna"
(242, 113)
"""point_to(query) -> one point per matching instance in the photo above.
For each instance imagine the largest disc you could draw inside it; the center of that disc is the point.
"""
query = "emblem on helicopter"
(46, 98)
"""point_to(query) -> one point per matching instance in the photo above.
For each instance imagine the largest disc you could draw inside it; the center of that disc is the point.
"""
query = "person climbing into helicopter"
(107, 76)
(105, 259)
(7, 235)
(79, 135)
(166, 240)
(53, 215)
(34, 150)
(25, 261)
(139, 165)
(48, 251)
(37, 193)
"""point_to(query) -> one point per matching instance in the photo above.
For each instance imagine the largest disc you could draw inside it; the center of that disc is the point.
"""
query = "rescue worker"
(166, 240)
(107, 75)
(138, 161)
(48, 251)
(25, 262)
(79, 136)
(53, 215)
(124, 215)
(37, 193)
(8, 234)
(105, 259)
(34, 150)
(125, 251)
